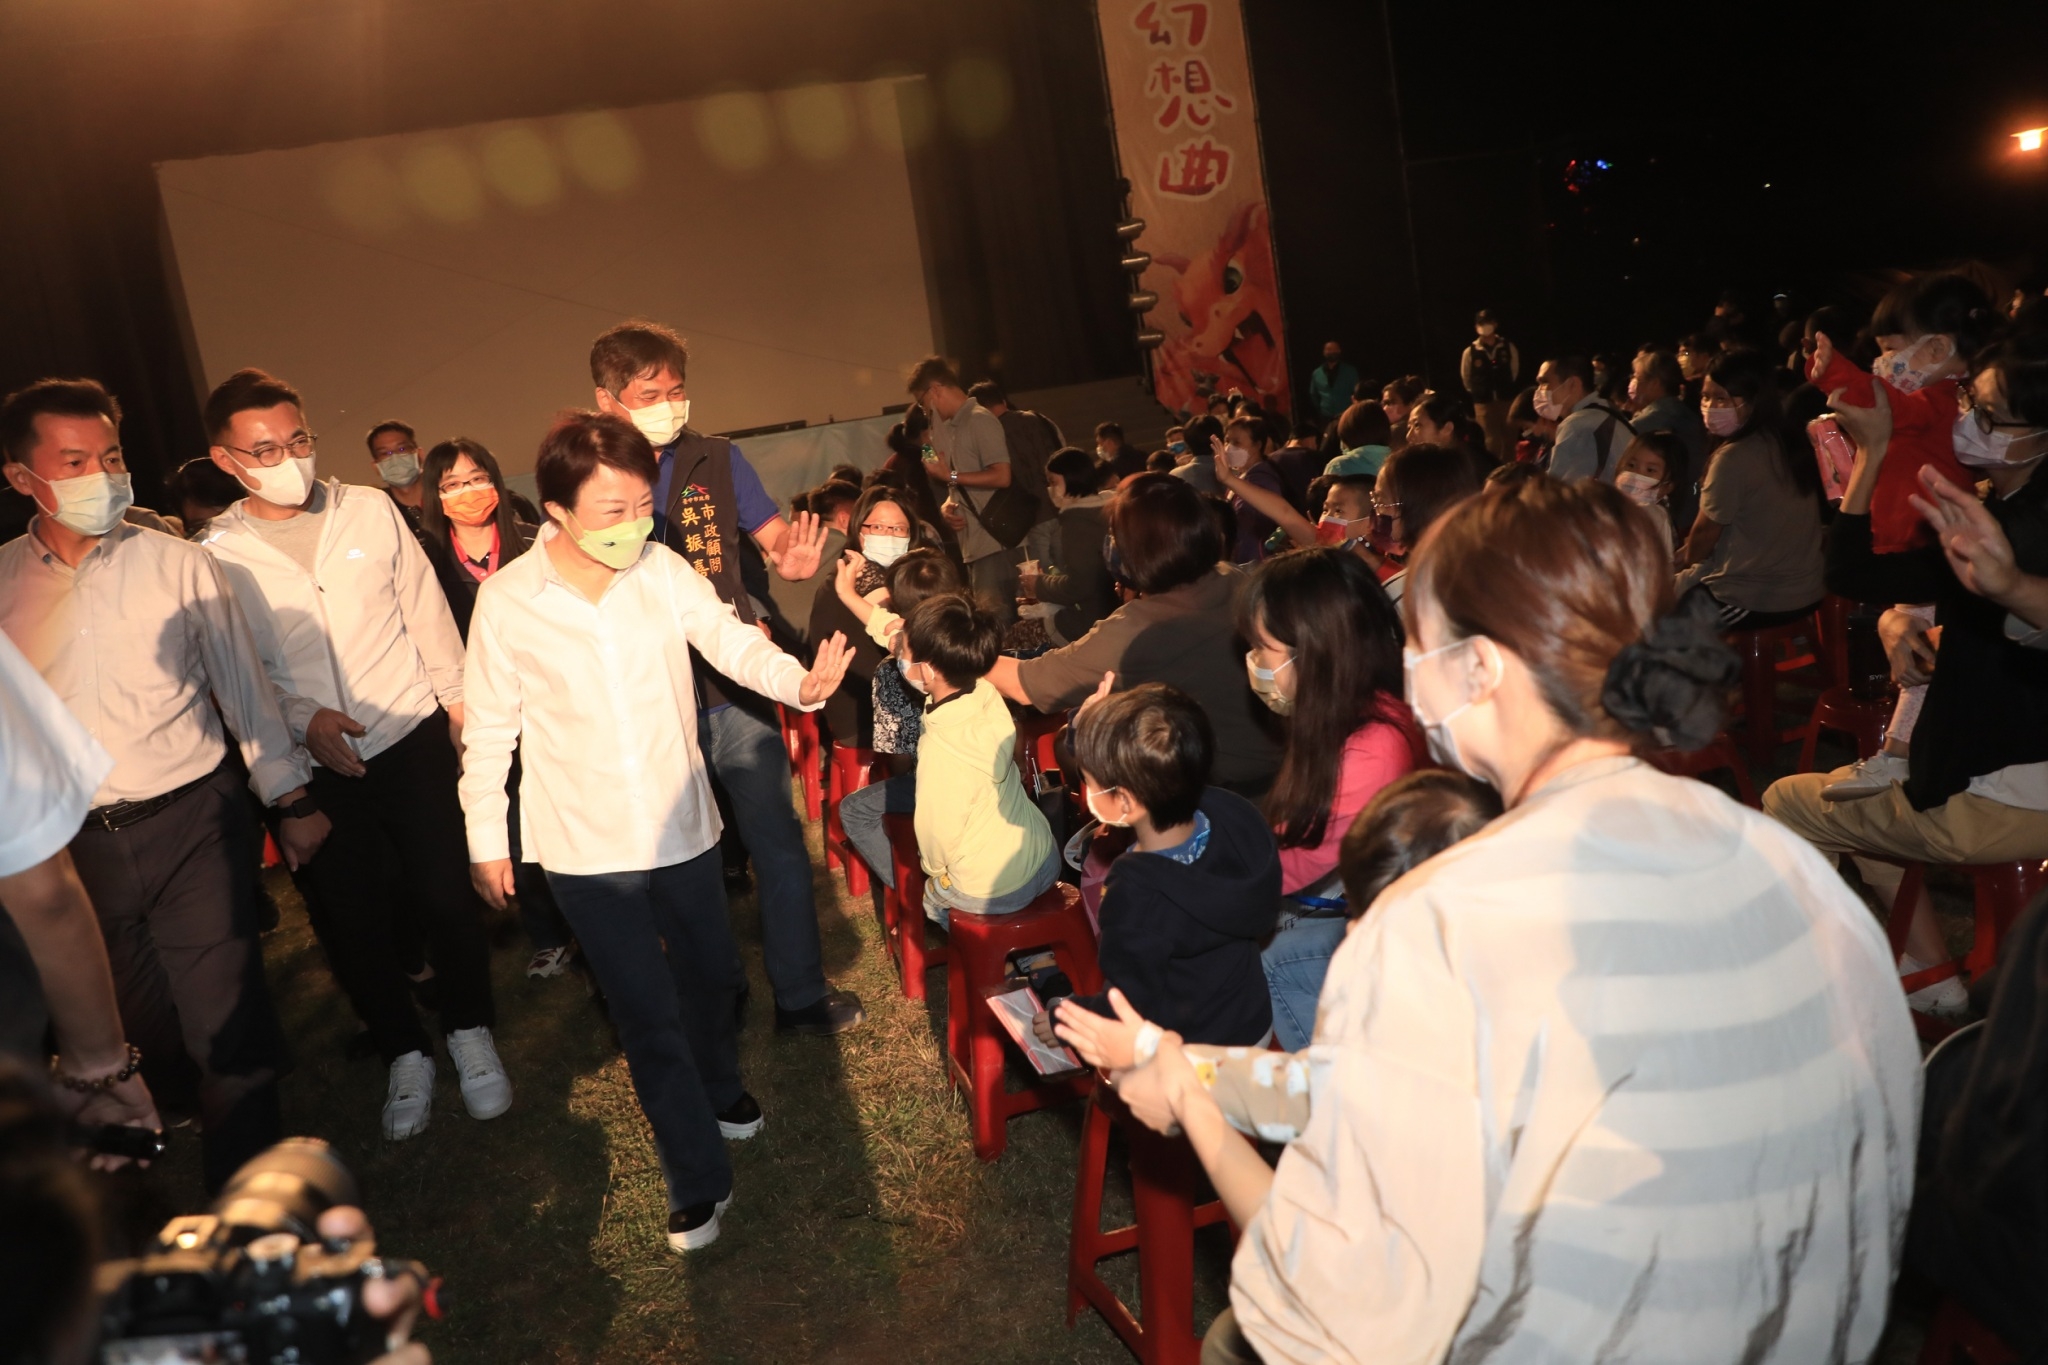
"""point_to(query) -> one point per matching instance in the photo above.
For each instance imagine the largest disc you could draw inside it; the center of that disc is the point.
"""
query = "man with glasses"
(360, 644)
(395, 450)
(138, 634)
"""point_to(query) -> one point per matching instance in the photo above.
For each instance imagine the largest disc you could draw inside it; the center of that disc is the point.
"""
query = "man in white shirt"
(359, 642)
(972, 462)
(580, 656)
(1590, 435)
(138, 634)
(53, 964)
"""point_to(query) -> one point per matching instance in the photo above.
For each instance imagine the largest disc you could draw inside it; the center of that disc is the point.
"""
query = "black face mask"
(1332, 362)
(1113, 560)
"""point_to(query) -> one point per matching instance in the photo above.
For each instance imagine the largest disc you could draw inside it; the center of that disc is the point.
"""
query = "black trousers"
(396, 866)
(176, 900)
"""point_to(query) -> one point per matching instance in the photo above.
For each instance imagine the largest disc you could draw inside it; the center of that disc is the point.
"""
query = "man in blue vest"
(707, 497)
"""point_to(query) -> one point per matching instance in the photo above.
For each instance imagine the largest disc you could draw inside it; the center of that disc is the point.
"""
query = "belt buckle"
(111, 817)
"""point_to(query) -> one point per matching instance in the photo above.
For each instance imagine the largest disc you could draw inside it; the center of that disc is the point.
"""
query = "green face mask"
(616, 547)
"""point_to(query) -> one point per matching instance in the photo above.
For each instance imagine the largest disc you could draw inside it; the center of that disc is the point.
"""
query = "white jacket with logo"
(368, 633)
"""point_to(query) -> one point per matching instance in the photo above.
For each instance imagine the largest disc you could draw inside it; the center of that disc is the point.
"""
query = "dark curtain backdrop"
(1018, 223)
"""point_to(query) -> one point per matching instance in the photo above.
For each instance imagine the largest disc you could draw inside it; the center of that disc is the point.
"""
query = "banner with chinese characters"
(1181, 94)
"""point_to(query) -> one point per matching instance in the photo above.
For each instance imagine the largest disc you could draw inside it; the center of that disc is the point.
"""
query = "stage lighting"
(2030, 138)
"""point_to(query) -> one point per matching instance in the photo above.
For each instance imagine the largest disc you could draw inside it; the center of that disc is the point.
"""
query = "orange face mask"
(470, 506)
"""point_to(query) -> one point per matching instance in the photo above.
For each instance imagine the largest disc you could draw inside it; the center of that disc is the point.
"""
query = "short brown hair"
(1566, 575)
(1151, 742)
(244, 391)
(623, 353)
(1408, 822)
(956, 635)
(55, 398)
(933, 369)
(580, 441)
(1165, 537)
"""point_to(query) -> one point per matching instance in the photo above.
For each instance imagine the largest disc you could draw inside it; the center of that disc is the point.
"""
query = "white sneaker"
(410, 1101)
(486, 1089)
(1947, 998)
(1873, 776)
(550, 962)
(695, 1228)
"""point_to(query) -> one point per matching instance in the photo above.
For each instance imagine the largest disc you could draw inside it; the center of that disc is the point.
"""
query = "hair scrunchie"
(1672, 684)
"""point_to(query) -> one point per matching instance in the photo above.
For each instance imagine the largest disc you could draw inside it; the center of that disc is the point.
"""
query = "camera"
(251, 1280)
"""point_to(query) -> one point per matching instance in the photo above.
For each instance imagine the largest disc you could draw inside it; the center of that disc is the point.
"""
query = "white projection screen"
(454, 279)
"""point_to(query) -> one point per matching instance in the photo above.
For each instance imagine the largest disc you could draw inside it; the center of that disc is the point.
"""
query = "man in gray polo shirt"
(972, 461)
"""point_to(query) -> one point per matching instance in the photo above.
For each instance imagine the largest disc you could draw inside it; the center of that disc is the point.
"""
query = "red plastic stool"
(2000, 892)
(1038, 738)
(1954, 1330)
(1165, 1183)
(850, 770)
(271, 857)
(800, 736)
(903, 918)
(975, 1042)
(1841, 710)
(1719, 753)
(1791, 652)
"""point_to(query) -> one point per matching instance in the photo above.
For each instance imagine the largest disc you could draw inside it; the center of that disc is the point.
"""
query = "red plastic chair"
(903, 919)
(978, 948)
(1955, 1330)
(1166, 1180)
(1719, 753)
(2000, 890)
(850, 770)
(1795, 652)
(1839, 709)
(800, 736)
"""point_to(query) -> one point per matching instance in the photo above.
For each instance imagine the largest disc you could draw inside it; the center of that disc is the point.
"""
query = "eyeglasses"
(1967, 405)
(880, 528)
(1385, 506)
(381, 455)
(449, 490)
(270, 454)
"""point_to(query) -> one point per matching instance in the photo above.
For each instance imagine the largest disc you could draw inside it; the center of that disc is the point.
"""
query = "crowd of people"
(1561, 1055)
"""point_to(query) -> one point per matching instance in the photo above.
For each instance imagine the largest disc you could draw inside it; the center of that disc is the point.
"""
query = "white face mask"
(1264, 684)
(903, 667)
(400, 471)
(1237, 457)
(1981, 449)
(90, 504)
(1721, 421)
(1640, 489)
(882, 551)
(1897, 369)
(661, 422)
(1106, 820)
(1547, 406)
(285, 484)
(1443, 741)
(1635, 386)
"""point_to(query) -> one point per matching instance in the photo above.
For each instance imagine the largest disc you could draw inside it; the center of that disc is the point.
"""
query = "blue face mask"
(903, 667)
(1113, 561)
(1177, 447)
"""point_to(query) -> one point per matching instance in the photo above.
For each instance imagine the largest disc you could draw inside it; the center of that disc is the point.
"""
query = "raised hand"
(1110, 1044)
(797, 556)
(1102, 689)
(1870, 428)
(828, 668)
(1971, 537)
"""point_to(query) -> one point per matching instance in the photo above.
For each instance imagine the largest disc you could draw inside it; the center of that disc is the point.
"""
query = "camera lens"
(285, 1189)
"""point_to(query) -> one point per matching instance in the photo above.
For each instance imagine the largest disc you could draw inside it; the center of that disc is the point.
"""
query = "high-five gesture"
(827, 669)
(796, 554)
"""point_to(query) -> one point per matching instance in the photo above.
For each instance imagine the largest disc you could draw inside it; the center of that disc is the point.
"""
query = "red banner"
(1181, 94)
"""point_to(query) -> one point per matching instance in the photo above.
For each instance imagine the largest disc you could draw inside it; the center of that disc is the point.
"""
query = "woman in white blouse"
(1625, 1076)
(579, 653)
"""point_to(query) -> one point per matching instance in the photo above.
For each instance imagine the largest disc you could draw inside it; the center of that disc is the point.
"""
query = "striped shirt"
(1625, 1076)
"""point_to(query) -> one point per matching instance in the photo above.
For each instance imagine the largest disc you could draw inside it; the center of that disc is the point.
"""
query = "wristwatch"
(300, 809)
(954, 478)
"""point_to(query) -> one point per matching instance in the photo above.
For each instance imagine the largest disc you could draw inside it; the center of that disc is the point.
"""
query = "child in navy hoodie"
(1185, 911)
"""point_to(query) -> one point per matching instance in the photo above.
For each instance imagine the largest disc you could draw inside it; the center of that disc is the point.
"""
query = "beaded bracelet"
(100, 1084)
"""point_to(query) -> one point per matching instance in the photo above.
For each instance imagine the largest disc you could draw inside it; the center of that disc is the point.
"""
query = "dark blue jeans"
(674, 1010)
(748, 755)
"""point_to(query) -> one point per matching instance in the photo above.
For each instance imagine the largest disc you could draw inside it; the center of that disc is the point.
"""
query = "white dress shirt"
(1627, 1075)
(134, 640)
(367, 633)
(49, 767)
(600, 699)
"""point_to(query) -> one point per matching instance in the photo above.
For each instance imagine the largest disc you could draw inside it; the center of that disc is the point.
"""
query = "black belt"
(121, 814)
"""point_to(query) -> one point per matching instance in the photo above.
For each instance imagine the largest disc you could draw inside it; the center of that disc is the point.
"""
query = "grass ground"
(863, 1229)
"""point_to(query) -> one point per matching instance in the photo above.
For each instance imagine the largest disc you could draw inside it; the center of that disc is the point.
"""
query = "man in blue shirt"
(1329, 388)
(706, 498)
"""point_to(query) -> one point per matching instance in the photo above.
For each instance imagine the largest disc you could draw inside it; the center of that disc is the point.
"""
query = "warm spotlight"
(2030, 138)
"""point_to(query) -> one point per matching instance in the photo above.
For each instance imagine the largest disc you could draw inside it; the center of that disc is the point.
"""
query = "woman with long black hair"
(1326, 654)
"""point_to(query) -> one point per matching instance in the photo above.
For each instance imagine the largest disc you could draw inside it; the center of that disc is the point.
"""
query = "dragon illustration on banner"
(1229, 302)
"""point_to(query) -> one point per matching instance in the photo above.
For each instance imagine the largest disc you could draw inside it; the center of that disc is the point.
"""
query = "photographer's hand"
(395, 1302)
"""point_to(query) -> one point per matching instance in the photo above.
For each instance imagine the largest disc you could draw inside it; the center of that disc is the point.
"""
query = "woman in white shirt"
(579, 653)
(1623, 1076)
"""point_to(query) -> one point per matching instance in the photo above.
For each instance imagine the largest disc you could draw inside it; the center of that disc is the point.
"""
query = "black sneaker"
(741, 1121)
(835, 1012)
(696, 1227)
